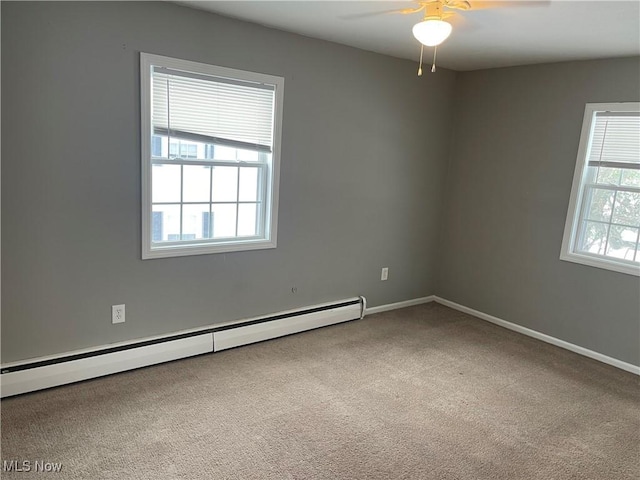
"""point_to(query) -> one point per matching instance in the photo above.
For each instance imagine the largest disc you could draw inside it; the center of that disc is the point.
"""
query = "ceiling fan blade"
(408, 11)
(358, 16)
(457, 4)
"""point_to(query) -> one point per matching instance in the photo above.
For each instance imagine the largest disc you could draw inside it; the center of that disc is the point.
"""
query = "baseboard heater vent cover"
(236, 335)
(46, 372)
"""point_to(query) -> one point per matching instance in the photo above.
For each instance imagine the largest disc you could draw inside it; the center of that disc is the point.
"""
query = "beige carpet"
(419, 393)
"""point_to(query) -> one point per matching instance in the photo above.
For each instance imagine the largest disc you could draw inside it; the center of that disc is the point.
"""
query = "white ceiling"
(506, 35)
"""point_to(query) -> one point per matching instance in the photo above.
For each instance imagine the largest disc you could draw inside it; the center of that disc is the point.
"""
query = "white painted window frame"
(568, 252)
(271, 196)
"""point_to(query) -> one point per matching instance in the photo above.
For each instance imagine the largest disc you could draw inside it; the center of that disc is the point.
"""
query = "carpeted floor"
(420, 393)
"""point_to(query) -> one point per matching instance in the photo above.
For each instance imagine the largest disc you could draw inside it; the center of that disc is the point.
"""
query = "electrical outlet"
(384, 274)
(117, 314)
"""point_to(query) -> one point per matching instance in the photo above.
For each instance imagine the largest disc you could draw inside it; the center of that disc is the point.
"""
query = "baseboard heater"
(46, 372)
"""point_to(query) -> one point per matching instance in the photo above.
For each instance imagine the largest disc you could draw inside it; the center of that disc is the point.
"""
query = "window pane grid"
(601, 253)
(187, 199)
(216, 209)
(623, 205)
(606, 243)
(610, 223)
(589, 238)
(614, 211)
(206, 231)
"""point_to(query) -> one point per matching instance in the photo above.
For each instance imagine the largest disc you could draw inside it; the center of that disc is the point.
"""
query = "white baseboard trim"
(397, 305)
(541, 336)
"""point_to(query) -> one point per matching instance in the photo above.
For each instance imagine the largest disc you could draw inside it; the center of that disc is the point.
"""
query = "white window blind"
(615, 141)
(211, 109)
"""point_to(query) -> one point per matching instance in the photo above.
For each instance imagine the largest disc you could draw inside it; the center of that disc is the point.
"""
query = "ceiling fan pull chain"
(420, 67)
(433, 67)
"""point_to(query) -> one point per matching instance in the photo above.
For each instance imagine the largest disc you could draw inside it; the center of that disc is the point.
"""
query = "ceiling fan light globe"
(432, 32)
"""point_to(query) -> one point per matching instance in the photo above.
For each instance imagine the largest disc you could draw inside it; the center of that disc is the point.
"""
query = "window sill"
(605, 264)
(205, 249)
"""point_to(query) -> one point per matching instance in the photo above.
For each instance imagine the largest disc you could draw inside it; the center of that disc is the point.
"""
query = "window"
(210, 158)
(603, 221)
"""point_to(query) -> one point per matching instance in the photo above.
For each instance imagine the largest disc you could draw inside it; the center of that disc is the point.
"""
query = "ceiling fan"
(434, 27)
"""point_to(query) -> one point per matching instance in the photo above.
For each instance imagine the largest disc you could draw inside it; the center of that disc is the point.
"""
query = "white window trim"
(272, 195)
(573, 213)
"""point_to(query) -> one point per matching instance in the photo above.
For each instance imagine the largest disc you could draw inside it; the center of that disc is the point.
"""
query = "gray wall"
(363, 159)
(516, 135)
(365, 149)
